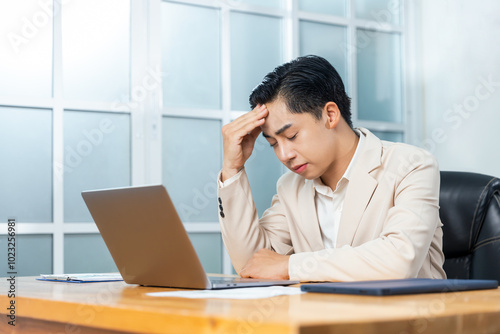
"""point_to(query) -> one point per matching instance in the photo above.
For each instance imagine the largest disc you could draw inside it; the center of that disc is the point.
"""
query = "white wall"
(460, 61)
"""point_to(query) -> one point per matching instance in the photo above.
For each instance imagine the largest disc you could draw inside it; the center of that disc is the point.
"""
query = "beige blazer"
(390, 226)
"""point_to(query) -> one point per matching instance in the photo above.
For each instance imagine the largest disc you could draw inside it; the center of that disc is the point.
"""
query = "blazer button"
(220, 207)
(220, 201)
(222, 214)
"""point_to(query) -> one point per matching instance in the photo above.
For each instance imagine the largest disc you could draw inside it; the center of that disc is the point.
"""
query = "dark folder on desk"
(401, 286)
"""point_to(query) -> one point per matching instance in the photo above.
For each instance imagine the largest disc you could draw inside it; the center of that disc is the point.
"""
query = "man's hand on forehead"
(239, 138)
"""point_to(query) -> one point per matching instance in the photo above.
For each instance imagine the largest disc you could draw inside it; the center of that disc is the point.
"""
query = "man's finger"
(244, 273)
(250, 125)
(255, 133)
(255, 114)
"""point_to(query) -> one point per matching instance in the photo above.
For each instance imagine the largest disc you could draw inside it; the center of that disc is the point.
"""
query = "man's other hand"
(266, 264)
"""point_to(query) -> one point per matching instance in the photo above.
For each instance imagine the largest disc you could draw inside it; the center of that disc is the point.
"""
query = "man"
(352, 207)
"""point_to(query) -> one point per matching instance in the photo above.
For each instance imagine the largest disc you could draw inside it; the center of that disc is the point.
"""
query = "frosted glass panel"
(379, 77)
(382, 11)
(96, 156)
(192, 158)
(96, 50)
(191, 56)
(389, 135)
(325, 40)
(266, 3)
(255, 51)
(26, 164)
(335, 7)
(25, 49)
(87, 253)
(263, 170)
(33, 254)
(208, 246)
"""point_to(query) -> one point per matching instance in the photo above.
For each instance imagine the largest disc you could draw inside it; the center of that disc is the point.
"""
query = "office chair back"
(470, 213)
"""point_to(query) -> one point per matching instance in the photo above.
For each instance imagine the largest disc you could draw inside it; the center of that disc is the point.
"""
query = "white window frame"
(146, 120)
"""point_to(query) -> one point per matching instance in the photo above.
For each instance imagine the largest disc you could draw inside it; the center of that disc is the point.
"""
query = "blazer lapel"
(360, 189)
(309, 224)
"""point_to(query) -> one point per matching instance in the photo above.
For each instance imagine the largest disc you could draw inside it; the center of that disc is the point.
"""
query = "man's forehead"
(278, 116)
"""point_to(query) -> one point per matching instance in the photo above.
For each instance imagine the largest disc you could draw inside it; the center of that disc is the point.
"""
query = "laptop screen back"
(145, 237)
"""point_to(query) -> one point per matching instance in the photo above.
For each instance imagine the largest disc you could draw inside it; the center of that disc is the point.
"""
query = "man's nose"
(286, 152)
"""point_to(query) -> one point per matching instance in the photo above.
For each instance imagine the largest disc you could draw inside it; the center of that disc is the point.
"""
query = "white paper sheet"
(237, 293)
(88, 277)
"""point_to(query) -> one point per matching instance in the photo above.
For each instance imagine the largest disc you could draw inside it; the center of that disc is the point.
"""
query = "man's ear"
(332, 113)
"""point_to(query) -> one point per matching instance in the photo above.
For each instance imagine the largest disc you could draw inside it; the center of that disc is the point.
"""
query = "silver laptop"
(148, 242)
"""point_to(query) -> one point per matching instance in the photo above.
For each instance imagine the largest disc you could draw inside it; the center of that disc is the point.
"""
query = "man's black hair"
(305, 84)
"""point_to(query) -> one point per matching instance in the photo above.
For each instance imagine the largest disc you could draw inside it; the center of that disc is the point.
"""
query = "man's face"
(302, 143)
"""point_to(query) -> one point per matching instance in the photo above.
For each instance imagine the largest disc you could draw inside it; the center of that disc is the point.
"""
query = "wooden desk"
(51, 307)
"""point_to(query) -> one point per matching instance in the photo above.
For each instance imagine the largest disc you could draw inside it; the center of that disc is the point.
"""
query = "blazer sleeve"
(242, 231)
(399, 250)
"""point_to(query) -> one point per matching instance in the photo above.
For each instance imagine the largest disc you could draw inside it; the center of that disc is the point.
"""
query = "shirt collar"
(320, 187)
(361, 141)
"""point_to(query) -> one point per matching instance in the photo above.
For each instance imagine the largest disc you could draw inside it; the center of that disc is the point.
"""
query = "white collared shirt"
(329, 203)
